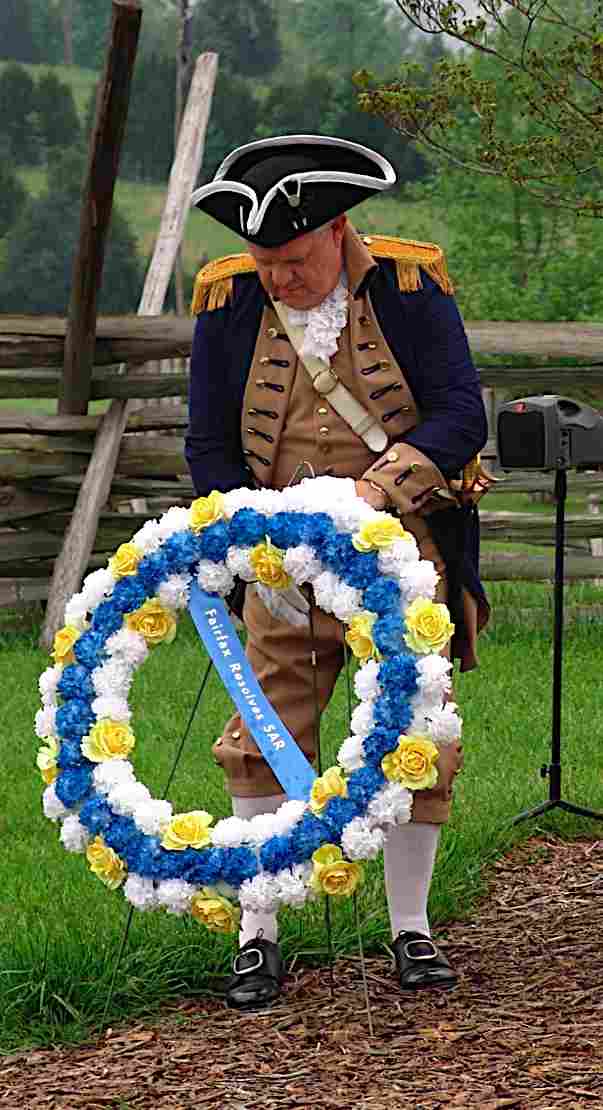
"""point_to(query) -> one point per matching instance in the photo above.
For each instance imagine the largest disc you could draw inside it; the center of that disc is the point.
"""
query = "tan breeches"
(280, 655)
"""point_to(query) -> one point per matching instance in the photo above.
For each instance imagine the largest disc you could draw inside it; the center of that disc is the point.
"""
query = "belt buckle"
(326, 388)
(254, 967)
(409, 955)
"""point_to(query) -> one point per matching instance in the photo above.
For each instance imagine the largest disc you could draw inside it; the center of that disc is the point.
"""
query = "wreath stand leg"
(328, 923)
(367, 1001)
(127, 926)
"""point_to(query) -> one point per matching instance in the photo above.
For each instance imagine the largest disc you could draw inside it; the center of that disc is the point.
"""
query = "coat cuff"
(410, 480)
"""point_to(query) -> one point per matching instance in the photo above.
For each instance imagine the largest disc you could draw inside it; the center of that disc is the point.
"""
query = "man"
(346, 356)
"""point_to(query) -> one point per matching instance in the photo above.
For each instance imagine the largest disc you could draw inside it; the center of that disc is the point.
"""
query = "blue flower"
(238, 864)
(131, 592)
(339, 812)
(382, 596)
(75, 682)
(306, 837)
(362, 784)
(74, 719)
(248, 527)
(379, 742)
(203, 868)
(181, 550)
(214, 542)
(120, 833)
(107, 618)
(89, 649)
(72, 785)
(276, 853)
(146, 857)
(316, 529)
(71, 755)
(358, 569)
(390, 713)
(96, 815)
(283, 529)
(388, 634)
(399, 674)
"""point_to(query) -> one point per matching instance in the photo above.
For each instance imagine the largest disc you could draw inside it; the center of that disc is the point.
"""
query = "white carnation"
(351, 754)
(214, 578)
(176, 519)
(230, 832)
(47, 684)
(45, 721)
(111, 707)
(287, 816)
(302, 563)
(52, 805)
(434, 677)
(76, 611)
(140, 892)
(148, 538)
(113, 679)
(420, 581)
(131, 646)
(360, 840)
(97, 585)
(174, 592)
(237, 499)
(74, 836)
(362, 719)
(260, 893)
(239, 564)
(366, 680)
(444, 724)
(293, 884)
(112, 772)
(398, 557)
(391, 805)
(421, 709)
(347, 602)
(325, 588)
(151, 815)
(175, 895)
(260, 828)
(125, 797)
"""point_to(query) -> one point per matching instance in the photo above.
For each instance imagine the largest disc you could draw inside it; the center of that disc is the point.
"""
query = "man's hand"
(371, 493)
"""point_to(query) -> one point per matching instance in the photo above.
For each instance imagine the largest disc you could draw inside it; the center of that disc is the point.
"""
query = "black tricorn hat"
(273, 190)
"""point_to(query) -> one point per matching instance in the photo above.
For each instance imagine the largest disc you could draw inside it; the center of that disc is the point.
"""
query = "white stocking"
(253, 921)
(408, 858)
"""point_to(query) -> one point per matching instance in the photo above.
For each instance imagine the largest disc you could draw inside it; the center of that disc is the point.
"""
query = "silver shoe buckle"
(253, 967)
(430, 956)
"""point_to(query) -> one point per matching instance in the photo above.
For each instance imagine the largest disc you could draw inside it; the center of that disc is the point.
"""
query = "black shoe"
(259, 974)
(420, 964)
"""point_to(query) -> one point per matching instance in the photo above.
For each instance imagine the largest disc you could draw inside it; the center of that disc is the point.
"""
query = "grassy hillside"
(82, 81)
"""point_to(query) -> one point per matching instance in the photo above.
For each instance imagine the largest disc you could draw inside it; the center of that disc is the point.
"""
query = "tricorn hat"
(273, 190)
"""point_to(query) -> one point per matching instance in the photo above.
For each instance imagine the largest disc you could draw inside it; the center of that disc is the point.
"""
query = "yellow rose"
(428, 624)
(330, 785)
(46, 760)
(207, 510)
(62, 650)
(125, 561)
(332, 874)
(187, 830)
(153, 621)
(413, 763)
(378, 533)
(359, 636)
(214, 911)
(105, 863)
(267, 562)
(108, 739)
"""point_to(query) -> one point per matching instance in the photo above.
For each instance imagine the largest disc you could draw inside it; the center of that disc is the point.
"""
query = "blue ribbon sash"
(276, 744)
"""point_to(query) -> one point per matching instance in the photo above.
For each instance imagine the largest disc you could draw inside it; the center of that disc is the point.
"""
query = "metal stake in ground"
(328, 924)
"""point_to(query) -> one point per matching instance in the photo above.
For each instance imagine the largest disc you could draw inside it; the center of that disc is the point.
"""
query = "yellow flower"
(153, 621)
(125, 561)
(108, 739)
(46, 760)
(379, 532)
(413, 763)
(105, 863)
(330, 785)
(187, 830)
(267, 562)
(429, 625)
(332, 874)
(62, 650)
(214, 911)
(360, 636)
(207, 510)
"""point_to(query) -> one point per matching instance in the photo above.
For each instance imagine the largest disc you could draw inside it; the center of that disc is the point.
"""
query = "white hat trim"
(308, 140)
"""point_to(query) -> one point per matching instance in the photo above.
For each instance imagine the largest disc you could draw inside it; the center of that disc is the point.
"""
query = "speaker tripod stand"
(552, 771)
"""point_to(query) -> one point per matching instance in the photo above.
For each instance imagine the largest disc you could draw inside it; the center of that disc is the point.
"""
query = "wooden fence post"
(596, 545)
(97, 203)
(94, 491)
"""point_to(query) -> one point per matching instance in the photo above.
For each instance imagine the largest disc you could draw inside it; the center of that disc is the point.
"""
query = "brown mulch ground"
(522, 1030)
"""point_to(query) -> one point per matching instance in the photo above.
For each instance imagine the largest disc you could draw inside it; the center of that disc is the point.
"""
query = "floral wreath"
(365, 569)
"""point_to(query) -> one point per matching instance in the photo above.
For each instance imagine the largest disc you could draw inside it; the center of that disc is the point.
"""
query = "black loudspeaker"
(547, 433)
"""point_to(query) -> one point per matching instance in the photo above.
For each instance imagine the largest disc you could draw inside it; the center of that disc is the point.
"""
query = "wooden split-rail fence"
(44, 457)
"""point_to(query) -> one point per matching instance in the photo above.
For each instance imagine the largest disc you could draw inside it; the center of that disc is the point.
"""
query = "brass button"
(261, 382)
(272, 333)
(324, 447)
(367, 240)
(392, 456)
(384, 363)
(405, 408)
(371, 346)
(236, 735)
(323, 431)
(264, 360)
(364, 320)
(322, 411)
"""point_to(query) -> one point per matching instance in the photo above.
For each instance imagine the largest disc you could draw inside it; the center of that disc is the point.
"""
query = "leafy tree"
(549, 58)
(36, 273)
(12, 195)
(47, 31)
(17, 118)
(91, 22)
(244, 35)
(348, 34)
(57, 116)
(16, 35)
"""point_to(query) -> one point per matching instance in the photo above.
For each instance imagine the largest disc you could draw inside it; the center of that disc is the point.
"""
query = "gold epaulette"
(410, 257)
(213, 284)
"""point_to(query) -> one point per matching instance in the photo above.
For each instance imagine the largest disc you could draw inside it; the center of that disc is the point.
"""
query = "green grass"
(61, 928)
(82, 81)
